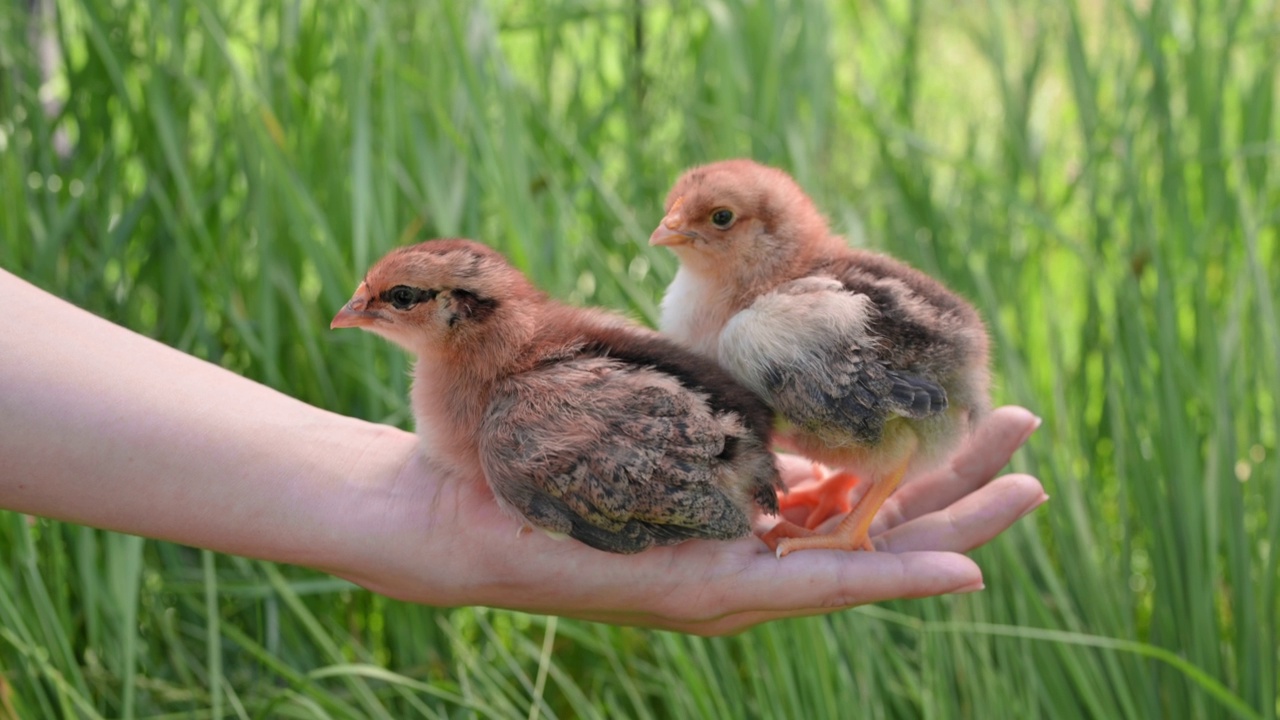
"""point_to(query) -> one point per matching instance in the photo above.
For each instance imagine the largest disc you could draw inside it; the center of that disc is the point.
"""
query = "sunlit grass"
(1099, 178)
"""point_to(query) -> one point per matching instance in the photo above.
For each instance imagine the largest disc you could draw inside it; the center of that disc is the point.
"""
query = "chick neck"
(453, 383)
(480, 356)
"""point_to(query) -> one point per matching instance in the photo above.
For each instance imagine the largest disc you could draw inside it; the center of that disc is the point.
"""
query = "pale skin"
(103, 427)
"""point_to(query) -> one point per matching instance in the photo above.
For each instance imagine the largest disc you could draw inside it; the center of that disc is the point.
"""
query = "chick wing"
(617, 455)
(808, 350)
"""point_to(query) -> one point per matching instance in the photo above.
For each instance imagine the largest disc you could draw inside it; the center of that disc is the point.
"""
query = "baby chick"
(869, 364)
(582, 423)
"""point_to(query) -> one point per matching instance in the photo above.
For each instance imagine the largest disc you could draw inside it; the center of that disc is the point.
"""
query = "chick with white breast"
(871, 366)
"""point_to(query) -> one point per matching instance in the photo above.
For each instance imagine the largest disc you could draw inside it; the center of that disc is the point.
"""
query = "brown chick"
(869, 364)
(582, 423)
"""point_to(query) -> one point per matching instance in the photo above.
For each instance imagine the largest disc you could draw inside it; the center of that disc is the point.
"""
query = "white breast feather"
(693, 313)
(786, 328)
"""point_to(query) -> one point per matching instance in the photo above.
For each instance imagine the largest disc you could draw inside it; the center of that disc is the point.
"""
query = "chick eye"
(403, 297)
(722, 218)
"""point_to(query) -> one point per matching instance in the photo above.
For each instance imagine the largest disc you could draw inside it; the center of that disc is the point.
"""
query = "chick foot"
(827, 497)
(784, 529)
(853, 531)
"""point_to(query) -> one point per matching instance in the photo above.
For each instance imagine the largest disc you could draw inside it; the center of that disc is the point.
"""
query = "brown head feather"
(745, 224)
(442, 296)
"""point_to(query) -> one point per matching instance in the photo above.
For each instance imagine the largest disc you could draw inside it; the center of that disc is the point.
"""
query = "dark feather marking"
(551, 513)
(730, 450)
(909, 341)
(915, 396)
(854, 391)
(691, 370)
(471, 307)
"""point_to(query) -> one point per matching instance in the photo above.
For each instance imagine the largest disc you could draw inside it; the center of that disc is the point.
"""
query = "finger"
(827, 582)
(970, 522)
(727, 625)
(720, 588)
(974, 464)
(922, 575)
(817, 580)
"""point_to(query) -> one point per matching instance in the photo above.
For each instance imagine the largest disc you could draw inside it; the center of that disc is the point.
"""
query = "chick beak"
(356, 312)
(670, 232)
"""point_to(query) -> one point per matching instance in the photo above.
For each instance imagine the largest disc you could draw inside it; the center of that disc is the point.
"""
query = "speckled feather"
(620, 456)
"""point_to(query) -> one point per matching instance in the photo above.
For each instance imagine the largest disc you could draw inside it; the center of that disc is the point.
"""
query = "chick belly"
(839, 449)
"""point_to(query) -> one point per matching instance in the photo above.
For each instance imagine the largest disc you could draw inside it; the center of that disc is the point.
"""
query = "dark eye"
(722, 218)
(402, 297)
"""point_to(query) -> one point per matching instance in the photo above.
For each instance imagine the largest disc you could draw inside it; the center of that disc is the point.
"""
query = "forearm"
(104, 427)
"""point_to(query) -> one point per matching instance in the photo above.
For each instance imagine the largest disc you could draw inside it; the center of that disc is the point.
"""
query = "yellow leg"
(851, 533)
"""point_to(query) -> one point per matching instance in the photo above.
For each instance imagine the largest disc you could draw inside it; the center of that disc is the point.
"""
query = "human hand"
(446, 542)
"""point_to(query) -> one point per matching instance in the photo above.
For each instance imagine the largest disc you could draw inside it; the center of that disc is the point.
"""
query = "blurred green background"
(1100, 178)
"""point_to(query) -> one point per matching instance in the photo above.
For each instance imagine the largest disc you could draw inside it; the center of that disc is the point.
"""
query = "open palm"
(702, 587)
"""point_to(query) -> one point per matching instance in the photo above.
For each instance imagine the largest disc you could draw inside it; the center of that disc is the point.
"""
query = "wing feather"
(619, 456)
(807, 349)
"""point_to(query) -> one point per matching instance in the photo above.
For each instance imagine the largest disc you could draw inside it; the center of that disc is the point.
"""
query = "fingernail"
(1043, 499)
(1034, 426)
(970, 588)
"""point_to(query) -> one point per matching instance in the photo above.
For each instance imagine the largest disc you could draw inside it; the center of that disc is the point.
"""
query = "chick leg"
(851, 533)
(827, 496)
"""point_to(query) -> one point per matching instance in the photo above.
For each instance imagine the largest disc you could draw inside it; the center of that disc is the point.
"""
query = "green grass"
(1101, 178)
